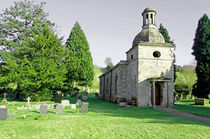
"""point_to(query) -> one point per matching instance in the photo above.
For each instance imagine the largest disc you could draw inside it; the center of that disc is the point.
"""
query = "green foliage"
(37, 66)
(167, 38)
(79, 61)
(201, 51)
(186, 77)
(20, 20)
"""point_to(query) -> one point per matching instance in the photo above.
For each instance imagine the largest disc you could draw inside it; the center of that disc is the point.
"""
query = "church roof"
(149, 9)
(151, 35)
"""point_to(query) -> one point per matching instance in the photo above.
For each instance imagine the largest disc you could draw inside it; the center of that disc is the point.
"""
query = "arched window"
(151, 18)
(115, 83)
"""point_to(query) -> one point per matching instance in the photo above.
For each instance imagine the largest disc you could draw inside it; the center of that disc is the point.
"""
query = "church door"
(157, 95)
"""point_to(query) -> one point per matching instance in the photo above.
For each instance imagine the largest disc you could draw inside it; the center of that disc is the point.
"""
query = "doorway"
(157, 94)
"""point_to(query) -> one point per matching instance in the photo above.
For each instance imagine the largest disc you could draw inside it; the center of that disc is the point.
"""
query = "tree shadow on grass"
(151, 115)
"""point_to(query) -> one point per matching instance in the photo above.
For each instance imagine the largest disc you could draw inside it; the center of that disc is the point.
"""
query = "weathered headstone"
(84, 107)
(28, 101)
(43, 109)
(3, 113)
(79, 102)
(73, 106)
(59, 109)
(121, 104)
(65, 102)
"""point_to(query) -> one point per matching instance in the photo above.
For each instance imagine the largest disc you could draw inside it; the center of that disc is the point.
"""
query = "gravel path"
(184, 114)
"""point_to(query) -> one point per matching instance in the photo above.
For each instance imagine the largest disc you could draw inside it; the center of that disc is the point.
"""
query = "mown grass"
(103, 121)
(190, 107)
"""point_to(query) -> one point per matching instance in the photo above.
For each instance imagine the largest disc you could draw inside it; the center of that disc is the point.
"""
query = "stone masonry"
(147, 73)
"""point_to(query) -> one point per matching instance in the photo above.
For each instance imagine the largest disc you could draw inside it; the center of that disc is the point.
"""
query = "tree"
(79, 61)
(19, 21)
(201, 51)
(167, 38)
(37, 66)
(108, 62)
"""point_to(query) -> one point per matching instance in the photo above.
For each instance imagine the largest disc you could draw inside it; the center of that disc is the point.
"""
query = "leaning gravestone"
(43, 109)
(84, 107)
(3, 113)
(73, 106)
(65, 102)
(59, 109)
(79, 102)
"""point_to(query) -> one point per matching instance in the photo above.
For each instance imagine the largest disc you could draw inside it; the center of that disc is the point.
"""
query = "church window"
(115, 83)
(156, 54)
(146, 16)
(132, 57)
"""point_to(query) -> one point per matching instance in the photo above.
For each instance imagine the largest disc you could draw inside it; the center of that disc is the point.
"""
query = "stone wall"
(153, 67)
(132, 80)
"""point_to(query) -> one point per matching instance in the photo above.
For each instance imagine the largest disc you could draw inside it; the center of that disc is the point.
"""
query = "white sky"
(111, 25)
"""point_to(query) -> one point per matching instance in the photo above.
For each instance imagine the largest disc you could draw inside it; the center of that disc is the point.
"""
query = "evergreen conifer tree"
(36, 67)
(201, 51)
(79, 61)
(167, 38)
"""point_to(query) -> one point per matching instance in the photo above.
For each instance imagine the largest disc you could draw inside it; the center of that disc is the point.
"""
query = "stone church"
(147, 74)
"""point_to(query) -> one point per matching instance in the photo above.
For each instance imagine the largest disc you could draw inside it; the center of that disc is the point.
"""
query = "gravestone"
(3, 105)
(3, 113)
(59, 109)
(5, 97)
(84, 107)
(79, 102)
(28, 101)
(121, 104)
(65, 102)
(73, 106)
(43, 109)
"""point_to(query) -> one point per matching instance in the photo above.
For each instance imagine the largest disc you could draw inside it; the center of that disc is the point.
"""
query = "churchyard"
(102, 120)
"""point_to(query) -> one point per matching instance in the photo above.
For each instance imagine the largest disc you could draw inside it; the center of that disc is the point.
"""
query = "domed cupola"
(149, 32)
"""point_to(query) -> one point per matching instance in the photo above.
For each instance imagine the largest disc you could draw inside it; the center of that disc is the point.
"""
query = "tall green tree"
(201, 51)
(167, 38)
(78, 58)
(36, 67)
(19, 21)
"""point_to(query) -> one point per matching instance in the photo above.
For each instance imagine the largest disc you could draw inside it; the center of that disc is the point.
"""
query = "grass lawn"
(188, 106)
(104, 120)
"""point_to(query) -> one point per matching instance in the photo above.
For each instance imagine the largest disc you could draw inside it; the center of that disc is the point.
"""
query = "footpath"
(184, 114)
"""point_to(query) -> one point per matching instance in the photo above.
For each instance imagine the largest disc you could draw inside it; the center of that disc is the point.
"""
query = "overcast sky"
(111, 25)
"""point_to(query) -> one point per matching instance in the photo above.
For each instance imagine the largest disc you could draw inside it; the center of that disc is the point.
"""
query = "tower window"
(146, 16)
(156, 54)
(151, 16)
(132, 57)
